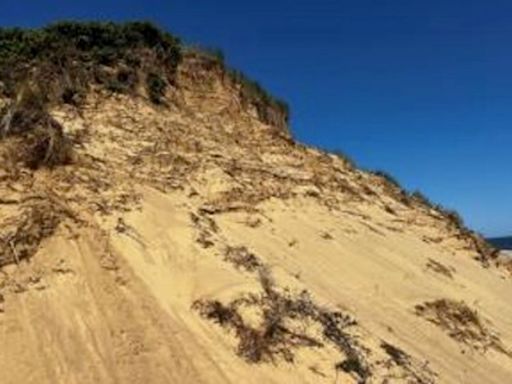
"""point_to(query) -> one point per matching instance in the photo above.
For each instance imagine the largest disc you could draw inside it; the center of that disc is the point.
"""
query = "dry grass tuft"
(440, 268)
(397, 355)
(21, 236)
(46, 148)
(39, 140)
(461, 323)
(242, 258)
(414, 372)
(272, 338)
(283, 326)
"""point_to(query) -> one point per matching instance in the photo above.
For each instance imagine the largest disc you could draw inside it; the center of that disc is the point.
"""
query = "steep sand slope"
(118, 308)
(191, 243)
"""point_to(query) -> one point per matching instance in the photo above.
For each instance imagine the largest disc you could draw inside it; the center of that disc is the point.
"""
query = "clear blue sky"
(422, 89)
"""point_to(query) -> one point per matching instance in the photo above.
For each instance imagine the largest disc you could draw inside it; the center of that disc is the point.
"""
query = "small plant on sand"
(242, 258)
(156, 87)
(461, 323)
(282, 327)
(20, 236)
(388, 178)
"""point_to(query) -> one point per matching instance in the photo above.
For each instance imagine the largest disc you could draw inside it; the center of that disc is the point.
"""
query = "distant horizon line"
(499, 237)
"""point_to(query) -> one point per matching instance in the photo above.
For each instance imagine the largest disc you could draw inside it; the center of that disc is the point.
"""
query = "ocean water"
(502, 242)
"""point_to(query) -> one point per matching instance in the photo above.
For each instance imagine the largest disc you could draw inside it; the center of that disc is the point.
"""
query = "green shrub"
(70, 95)
(421, 198)
(214, 53)
(66, 57)
(389, 178)
(70, 53)
(452, 215)
(156, 87)
(124, 81)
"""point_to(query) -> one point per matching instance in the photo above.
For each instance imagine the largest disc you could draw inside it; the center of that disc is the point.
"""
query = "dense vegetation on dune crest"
(66, 58)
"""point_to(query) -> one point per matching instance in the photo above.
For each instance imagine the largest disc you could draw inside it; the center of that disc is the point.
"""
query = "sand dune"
(194, 243)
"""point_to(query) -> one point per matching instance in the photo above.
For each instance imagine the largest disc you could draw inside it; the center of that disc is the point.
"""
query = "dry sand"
(118, 308)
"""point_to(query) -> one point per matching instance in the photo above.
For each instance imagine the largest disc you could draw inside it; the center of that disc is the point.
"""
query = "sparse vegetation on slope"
(462, 323)
(252, 92)
(388, 177)
(486, 252)
(270, 109)
(283, 327)
(21, 235)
